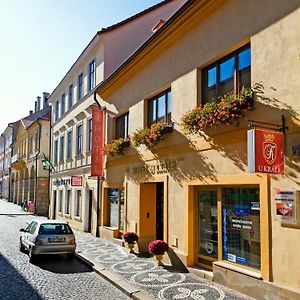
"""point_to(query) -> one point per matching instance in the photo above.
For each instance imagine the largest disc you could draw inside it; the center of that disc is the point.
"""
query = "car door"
(28, 234)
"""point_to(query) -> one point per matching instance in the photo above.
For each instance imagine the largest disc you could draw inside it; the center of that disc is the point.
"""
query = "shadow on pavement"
(13, 285)
(61, 265)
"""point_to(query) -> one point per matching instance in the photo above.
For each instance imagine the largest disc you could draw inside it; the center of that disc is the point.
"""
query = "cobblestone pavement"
(51, 277)
(160, 282)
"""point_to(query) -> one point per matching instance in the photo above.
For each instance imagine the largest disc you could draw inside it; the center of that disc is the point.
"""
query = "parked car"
(48, 237)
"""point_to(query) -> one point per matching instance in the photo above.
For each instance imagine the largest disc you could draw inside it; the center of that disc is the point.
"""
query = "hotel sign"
(97, 160)
(265, 151)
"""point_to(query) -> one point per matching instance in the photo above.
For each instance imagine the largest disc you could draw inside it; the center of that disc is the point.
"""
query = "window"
(89, 134)
(56, 110)
(31, 227)
(116, 208)
(70, 96)
(92, 75)
(55, 154)
(122, 126)
(229, 75)
(241, 226)
(68, 202)
(69, 144)
(80, 87)
(60, 201)
(62, 149)
(159, 108)
(62, 105)
(79, 140)
(78, 203)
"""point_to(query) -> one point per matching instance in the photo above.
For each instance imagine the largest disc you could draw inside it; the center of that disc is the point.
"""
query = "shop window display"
(241, 226)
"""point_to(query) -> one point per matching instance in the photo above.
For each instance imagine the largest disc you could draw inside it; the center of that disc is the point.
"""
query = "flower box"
(116, 147)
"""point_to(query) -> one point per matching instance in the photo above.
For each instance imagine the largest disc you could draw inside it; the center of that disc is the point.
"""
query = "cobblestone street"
(51, 277)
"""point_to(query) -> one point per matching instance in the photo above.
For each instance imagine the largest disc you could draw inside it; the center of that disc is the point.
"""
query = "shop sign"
(241, 224)
(265, 151)
(97, 159)
(285, 205)
(76, 181)
(61, 181)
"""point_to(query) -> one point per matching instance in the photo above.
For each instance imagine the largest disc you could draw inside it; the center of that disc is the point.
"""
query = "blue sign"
(241, 211)
(241, 260)
(224, 233)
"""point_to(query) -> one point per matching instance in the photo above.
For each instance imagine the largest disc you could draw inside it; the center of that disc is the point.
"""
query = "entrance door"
(160, 210)
(90, 203)
(207, 228)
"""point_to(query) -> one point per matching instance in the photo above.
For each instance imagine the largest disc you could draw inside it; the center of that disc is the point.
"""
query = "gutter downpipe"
(49, 172)
(99, 183)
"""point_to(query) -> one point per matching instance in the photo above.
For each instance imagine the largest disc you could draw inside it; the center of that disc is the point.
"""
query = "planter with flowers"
(226, 110)
(151, 136)
(158, 249)
(130, 238)
(116, 147)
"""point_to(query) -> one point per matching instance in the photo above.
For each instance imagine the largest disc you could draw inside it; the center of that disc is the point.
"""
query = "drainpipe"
(99, 182)
(36, 165)
(49, 170)
(4, 142)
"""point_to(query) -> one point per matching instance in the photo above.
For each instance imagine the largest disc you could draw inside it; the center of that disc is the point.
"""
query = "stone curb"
(119, 282)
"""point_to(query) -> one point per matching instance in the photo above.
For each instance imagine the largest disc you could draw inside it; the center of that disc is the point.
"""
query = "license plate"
(55, 240)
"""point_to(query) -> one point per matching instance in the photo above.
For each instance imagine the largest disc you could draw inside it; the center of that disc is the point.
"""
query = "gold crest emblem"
(269, 148)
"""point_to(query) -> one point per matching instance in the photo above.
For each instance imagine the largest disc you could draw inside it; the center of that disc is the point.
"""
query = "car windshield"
(55, 229)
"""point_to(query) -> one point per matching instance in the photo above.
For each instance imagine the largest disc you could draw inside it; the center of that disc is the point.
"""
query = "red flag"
(98, 126)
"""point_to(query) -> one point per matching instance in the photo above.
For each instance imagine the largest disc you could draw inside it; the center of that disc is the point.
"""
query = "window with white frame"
(69, 144)
(89, 134)
(63, 105)
(60, 201)
(68, 202)
(70, 96)
(78, 203)
(92, 75)
(56, 110)
(79, 139)
(55, 154)
(80, 87)
(62, 149)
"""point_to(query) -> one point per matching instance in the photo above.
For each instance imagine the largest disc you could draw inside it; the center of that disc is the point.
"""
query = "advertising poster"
(285, 205)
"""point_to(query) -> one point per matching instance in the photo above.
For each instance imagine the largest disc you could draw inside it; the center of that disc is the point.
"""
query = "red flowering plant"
(130, 237)
(116, 147)
(226, 110)
(158, 247)
(150, 136)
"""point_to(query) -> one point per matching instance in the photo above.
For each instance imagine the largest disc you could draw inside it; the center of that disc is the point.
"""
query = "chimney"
(45, 99)
(35, 106)
(38, 100)
(30, 112)
(158, 25)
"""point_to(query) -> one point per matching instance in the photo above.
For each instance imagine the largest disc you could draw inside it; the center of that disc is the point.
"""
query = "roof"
(179, 13)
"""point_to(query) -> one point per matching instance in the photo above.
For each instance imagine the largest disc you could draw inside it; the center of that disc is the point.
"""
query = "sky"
(41, 39)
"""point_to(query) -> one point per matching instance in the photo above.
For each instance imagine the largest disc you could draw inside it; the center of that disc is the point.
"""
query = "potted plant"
(158, 249)
(116, 147)
(151, 136)
(225, 111)
(130, 238)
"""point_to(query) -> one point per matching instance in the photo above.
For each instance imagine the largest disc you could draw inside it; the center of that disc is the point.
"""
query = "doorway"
(90, 204)
(159, 211)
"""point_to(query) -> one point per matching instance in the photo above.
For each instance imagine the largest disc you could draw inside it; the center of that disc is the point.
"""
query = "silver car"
(48, 237)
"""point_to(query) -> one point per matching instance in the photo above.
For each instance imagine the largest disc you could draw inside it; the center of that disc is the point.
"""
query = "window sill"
(69, 159)
(110, 228)
(68, 216)
(78, 156)
(77, 218)
(238, 268)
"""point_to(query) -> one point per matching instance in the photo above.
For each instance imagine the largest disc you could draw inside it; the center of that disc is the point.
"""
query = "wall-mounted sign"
(97, 159)
(61, 181)
(265, 151)
(76, 181)
(285, 205)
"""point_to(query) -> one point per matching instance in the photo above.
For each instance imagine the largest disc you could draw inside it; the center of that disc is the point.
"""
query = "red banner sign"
(265, 151)
(76, 181)
(98, 124)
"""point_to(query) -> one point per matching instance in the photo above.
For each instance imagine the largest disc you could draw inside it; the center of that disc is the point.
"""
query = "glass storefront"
(116, 208)
(241, 226)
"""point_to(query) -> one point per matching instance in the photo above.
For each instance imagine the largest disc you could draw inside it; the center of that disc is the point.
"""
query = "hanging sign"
(285, 205)
(265, 151)
(97, 160)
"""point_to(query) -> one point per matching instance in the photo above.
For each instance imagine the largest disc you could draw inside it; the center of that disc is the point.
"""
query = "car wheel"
(31, 256)
(21, 247)
(71, 255)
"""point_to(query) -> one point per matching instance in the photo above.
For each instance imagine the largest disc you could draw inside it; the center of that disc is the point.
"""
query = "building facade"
(195, 190)
(31, 143)
(74, 193)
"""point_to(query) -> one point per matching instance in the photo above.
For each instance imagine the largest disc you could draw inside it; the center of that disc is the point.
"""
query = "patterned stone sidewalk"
(141, 278)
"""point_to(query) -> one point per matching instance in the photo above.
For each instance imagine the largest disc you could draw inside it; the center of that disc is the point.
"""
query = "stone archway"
(14, 178)
(32, 184)
(20, 187)
(26, 185)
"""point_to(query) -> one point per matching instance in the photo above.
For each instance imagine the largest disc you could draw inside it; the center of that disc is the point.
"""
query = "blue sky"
(41, 39)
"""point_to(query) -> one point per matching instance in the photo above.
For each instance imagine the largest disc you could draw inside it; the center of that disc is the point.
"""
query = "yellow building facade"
(195, 191)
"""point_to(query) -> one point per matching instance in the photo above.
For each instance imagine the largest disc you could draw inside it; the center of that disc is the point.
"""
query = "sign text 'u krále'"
(265, 151)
